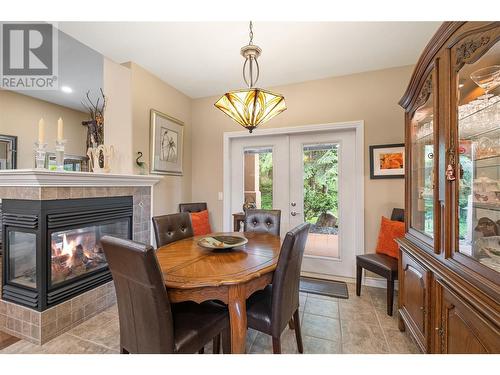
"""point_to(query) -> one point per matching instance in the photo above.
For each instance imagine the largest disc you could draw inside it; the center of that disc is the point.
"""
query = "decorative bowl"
(487, 78)
(221, 242)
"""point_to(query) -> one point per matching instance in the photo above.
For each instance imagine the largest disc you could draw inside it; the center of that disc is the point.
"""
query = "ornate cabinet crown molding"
(425, 92)
(445, 31)
(468, 47)
(466, 50)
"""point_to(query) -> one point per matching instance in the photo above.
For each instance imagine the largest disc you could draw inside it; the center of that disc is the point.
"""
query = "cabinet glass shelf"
(479, 182)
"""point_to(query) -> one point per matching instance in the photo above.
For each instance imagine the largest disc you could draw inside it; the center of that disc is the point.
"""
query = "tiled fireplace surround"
(40, 327)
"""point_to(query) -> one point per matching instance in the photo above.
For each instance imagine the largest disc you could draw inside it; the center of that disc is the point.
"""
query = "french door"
(322, 193)
(310, 177)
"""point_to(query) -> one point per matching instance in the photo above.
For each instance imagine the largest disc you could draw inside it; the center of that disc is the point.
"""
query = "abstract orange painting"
(393, 160)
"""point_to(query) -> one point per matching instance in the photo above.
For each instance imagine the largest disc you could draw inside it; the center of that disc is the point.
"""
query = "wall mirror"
(8, 152)
(80, 70)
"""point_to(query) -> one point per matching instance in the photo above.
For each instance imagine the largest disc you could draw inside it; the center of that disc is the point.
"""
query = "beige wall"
(19, 115)
(370, 96)
(149, 92)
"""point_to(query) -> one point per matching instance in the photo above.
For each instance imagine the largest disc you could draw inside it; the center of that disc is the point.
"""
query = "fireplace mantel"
(44, 178)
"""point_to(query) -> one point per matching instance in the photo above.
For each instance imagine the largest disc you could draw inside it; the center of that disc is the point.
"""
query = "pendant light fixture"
(252, 106)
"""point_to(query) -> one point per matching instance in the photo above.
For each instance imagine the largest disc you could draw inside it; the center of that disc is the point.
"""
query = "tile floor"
(329, 326)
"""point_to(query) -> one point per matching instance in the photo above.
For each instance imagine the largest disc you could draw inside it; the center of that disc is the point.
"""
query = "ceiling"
(203, 58)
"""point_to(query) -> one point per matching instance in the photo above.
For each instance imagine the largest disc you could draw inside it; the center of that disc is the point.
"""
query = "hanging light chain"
(251, 33)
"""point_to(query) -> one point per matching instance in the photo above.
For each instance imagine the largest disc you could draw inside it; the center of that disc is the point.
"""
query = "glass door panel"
(320, 202)
(422, 165)
(258, 177)
(75, 252)
(478, 86)
(22, 258)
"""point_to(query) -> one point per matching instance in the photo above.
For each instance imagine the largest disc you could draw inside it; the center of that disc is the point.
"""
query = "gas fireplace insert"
(52, 249)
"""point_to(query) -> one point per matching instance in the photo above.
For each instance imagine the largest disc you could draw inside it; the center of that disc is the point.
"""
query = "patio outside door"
(311, 177)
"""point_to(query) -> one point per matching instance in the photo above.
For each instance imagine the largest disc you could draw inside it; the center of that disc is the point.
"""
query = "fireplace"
(52, 248)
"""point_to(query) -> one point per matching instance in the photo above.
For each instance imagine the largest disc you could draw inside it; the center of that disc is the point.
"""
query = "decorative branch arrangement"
(95, 126)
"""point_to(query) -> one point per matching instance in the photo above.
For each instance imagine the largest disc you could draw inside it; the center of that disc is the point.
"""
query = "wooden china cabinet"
(449, 267)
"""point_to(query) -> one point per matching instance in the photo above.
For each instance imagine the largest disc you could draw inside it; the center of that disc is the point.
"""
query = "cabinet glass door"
(478, 95)
(422, 163)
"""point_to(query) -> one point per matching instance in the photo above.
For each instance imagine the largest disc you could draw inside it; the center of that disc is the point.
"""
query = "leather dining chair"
(382, 265)
(171, 228)
(192, 207)
(270, 310)
(263, 221)
(149, 323)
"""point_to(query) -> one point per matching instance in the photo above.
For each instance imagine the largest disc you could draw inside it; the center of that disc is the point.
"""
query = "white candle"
(41, 131)
(60, 129)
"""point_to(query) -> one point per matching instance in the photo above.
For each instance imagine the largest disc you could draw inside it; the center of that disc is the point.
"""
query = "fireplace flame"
(67, 247)
(73, 255)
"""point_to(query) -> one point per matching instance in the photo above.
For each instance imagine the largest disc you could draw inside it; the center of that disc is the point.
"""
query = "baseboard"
(374, 282)
(377, 282)
(350, 280)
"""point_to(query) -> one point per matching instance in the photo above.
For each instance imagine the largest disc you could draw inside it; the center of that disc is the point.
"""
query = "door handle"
(293, 204)
(294, 213)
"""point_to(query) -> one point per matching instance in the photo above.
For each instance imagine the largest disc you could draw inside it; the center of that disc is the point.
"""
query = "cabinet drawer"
(414, 281)
(461, 329)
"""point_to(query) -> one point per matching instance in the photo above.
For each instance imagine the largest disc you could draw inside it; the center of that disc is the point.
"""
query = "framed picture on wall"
(166, 144)
(387, 161)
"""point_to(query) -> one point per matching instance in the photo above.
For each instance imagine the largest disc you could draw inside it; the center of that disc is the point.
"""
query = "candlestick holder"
(40, 152)
(60, 143)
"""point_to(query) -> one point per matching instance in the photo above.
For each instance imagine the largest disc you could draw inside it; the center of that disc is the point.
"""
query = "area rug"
(331, 288)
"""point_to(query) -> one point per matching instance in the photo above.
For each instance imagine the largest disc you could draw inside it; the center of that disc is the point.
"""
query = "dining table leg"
(237, 318)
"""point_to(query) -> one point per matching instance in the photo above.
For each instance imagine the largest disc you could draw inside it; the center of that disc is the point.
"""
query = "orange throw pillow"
(200, 223)
(389, 231)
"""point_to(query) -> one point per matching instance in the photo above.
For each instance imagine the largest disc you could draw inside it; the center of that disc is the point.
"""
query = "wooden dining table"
(194, 273)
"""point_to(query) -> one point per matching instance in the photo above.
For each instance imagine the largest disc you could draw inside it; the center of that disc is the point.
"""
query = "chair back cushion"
(264, 221)
(192, 207)
(398, 214)
(146, 324)
(389, 231)
(171, 228)
(201, 223)
(286, 278)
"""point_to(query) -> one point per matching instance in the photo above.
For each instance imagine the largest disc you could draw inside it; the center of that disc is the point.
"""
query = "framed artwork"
(166, 138)
(387, 161)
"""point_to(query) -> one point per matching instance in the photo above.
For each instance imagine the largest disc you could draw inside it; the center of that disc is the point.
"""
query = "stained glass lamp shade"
(251, 107)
